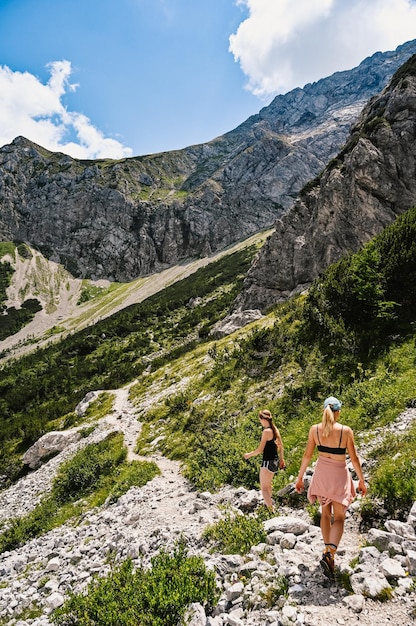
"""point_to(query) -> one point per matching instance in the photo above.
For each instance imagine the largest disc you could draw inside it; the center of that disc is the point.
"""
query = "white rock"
(52, 565)
(411, 562)
(392, 568)
(50, 443)
(355, 602)
(286, 524)
(234, 592)
(401, 528)
(369, 585)
(54, 600)
(195, 615)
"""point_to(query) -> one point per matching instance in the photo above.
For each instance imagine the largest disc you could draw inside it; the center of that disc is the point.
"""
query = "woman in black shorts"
(271, 446)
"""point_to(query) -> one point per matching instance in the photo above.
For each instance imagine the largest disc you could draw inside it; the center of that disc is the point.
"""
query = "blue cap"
(334, 403)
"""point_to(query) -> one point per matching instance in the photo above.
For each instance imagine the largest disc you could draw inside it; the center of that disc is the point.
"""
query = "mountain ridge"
(118, 220)
(359, 193)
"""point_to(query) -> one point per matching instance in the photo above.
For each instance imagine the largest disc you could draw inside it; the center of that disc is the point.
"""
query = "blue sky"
(116, 78)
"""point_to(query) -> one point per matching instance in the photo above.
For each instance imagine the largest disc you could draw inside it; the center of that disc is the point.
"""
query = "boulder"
(235, 321)
(51, 443)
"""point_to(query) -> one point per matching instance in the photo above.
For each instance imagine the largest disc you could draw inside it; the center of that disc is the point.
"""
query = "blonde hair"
(265, 414)
(327, 421)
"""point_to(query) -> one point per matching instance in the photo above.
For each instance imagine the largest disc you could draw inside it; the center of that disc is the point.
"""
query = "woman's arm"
(310, 447)
(352, 452)
(260, 448)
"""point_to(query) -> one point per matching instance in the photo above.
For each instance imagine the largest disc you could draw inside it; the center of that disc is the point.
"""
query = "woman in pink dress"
(331, 482)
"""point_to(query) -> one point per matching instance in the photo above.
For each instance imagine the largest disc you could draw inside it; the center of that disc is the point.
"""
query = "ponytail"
(265, 414)
(327, 421)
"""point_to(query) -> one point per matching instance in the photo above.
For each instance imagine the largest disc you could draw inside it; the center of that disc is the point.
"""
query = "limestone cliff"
(122, 219)
(361, 191)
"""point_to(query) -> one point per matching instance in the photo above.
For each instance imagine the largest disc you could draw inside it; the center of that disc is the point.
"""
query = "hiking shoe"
(327, 564)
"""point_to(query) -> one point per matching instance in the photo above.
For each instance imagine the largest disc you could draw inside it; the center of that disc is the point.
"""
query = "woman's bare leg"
(326, 512)
(266, 478)
(337, 527)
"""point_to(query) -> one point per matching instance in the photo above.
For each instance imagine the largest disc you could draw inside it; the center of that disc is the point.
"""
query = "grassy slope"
(198, 398)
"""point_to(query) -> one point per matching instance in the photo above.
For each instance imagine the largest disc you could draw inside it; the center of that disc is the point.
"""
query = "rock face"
(122, 219)
(369, 184)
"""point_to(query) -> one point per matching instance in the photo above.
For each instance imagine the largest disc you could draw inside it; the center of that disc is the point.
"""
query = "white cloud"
(285, 44)
(34, 110)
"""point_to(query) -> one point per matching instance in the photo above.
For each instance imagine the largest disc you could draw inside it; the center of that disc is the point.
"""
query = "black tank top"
(338, 450)
(270, 450)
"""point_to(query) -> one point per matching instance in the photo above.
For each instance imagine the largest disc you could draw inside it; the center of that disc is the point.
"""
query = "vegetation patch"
(155, 596)
(95, 473)
(12, 319)
(236, 533)
(7, 248)
(279, 588)
(394, 477)
(89, 291)
(6, 272)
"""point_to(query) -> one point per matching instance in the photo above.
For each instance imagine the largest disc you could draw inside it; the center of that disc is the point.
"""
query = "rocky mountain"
(369, 183)
(118, 220)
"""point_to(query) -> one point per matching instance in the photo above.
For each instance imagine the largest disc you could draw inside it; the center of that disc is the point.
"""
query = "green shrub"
(279, 588)
(394, 481)
(81, 474)
(89, 291)
(157, 596)
(343, 578)
(217, 459)
(7, 247)
(314, 511)
(15, 319)
(134, 474)
(235, 533)
(22, 529)
(374, 291)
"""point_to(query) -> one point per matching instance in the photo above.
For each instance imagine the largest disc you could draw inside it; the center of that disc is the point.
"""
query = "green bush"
(368, 298)
(81, 474)
(157, 596)
(279, 588)
(22, 529)
(6, 273)
(134, 474)
(394, 481)
(235, 533)
(15, 319)
(217, 459)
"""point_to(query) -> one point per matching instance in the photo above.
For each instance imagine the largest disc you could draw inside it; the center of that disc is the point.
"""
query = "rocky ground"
(156, 515)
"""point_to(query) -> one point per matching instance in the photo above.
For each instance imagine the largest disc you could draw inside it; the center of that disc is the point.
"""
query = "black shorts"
(272, 465)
